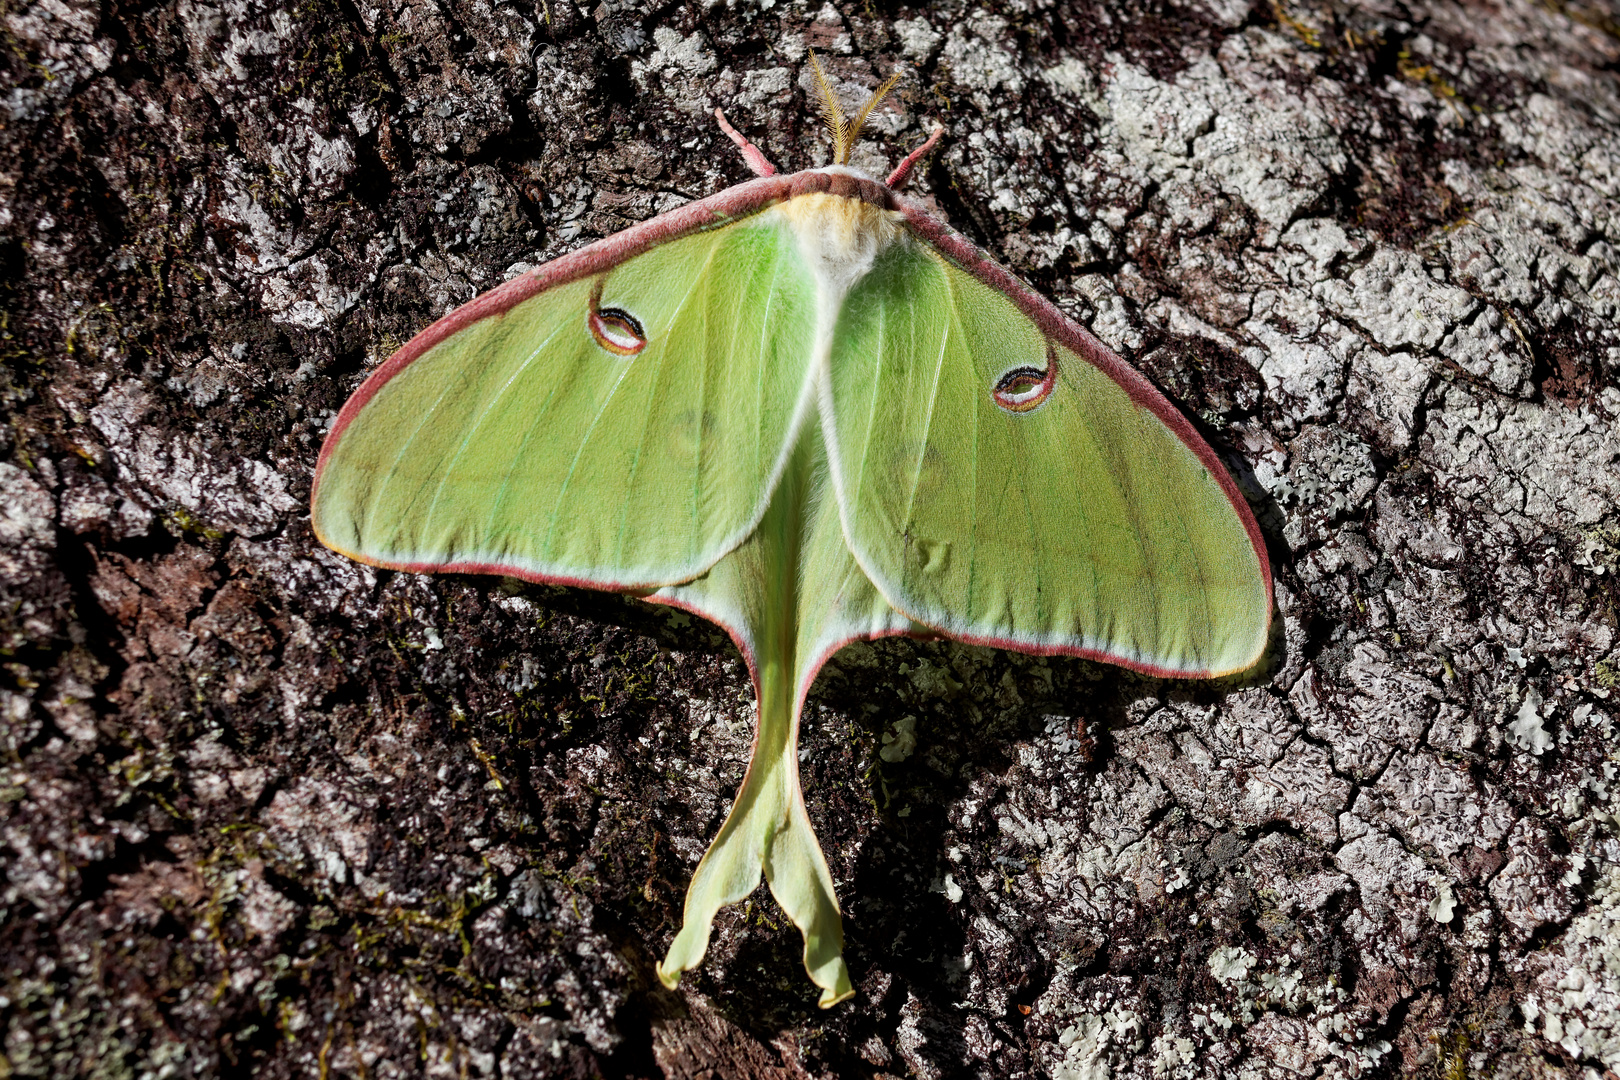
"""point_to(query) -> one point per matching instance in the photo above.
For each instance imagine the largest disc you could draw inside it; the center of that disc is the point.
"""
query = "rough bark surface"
(267, 811)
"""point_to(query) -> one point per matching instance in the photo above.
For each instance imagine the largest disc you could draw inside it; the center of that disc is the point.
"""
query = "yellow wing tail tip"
(680, 958)
(832, 976)
(837, 989)
(831, 996)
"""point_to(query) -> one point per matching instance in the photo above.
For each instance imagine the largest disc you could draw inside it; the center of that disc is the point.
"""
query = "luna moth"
(810, 412)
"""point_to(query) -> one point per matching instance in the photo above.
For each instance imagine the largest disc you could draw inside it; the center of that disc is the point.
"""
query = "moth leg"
(751, 153)
(902, 172)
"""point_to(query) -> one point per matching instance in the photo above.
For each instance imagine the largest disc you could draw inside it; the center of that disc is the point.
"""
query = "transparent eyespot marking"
(1024, 388)
(617, 331)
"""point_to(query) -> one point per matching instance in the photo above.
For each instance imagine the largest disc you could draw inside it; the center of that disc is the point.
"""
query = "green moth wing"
(621, 428)
(1009, 483)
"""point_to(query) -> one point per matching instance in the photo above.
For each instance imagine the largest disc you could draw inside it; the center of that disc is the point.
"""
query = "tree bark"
(266, 810)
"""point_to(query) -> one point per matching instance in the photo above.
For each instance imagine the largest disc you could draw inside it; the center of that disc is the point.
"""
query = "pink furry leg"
(902, 172)
(751, 154)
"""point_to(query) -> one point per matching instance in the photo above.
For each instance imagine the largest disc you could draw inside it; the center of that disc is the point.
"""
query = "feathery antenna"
(855, 126)
(831, 112)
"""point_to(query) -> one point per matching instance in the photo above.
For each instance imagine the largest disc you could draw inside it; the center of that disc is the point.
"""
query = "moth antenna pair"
(845, 130)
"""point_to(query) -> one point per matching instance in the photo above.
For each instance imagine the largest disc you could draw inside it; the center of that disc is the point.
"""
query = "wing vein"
(405, 445)
(764, 359)
(472, 429)
(928, 421)
(601, 411)
(665, 362)
(872, 406)
(534, 425)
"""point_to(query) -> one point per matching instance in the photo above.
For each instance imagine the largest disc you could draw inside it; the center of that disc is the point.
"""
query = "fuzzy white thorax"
(840, 238)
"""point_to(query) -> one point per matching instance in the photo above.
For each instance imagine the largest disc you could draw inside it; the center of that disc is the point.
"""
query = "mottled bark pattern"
(265, 810)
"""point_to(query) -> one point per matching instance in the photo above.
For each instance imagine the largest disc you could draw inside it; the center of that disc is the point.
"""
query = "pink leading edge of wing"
(718, 209)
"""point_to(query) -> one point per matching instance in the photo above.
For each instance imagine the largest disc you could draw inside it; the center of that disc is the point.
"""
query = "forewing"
(1084, 525)
(522, 444)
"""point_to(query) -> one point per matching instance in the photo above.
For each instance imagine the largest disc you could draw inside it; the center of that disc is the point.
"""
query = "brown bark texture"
(266, 811)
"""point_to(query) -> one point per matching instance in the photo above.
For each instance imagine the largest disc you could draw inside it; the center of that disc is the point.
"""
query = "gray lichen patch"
(266, 810)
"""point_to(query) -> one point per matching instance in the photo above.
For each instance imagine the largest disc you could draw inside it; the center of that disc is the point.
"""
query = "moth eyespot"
(1024, 388)
(617, 331)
